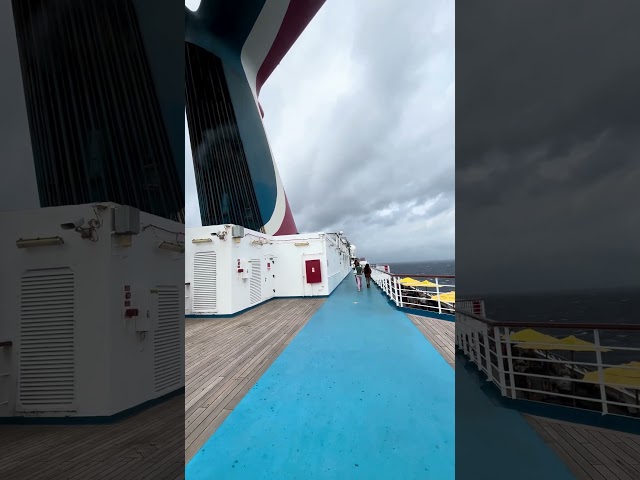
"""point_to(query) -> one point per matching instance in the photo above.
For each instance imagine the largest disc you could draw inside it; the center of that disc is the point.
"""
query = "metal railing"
(421, 297)
(586, 366)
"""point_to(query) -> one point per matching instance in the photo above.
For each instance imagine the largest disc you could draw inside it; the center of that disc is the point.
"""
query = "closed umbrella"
(627, 375)
(448, 297)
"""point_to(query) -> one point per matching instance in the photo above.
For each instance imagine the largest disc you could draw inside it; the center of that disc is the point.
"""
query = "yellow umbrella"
(529, 336)
(410, 282)
(617, 375)
(574, 344)
(427, 283)
(534, 340)
(449, 297)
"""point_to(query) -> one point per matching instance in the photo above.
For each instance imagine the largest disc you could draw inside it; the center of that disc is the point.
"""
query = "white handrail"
(542, 374)
(423, 298)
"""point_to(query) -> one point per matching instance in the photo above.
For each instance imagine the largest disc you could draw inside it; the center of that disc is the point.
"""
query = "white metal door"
(269, 280)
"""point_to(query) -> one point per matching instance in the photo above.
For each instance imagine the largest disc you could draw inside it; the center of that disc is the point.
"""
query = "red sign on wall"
(312, 268)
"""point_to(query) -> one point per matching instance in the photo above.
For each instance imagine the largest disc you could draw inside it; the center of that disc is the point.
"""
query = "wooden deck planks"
(591, 453)
(146, 445)
(225, 357)
(441, 334)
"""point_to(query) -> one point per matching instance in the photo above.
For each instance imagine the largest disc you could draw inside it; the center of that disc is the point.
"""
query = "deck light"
(201, 240)
(174, 247)
(39, 242)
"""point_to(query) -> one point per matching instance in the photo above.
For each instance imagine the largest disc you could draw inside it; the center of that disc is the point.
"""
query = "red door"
(313, 271)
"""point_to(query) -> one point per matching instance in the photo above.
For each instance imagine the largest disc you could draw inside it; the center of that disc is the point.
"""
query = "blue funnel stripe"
(254, 142)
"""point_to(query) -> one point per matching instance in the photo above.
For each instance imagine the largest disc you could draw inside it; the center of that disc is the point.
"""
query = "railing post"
(476, 343)
(603, 389)
(398, 292)
(501, 378)
(487, 351)
(512, 378)
(438, 294)
(465, 339)
(463, 332)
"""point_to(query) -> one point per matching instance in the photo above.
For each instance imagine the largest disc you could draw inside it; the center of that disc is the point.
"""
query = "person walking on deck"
(358, 272)
(367, 274)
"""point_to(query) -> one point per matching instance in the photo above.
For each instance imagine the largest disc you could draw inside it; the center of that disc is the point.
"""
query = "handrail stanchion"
(487, 351)
(476, 344)
(498, 342)
(512, 379)
(603, 389)
(438, 295)
(398, 293)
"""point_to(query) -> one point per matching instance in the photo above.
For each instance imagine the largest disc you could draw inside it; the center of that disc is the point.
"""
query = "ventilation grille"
(204, 282)
(82, 111)
(255, 288)
(47, 371)
(167, 350)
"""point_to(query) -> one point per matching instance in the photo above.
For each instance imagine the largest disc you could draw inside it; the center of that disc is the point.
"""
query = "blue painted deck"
(358, 394)
(498, 443)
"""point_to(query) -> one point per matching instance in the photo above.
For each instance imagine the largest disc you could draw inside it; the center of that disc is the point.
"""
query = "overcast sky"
(548, 145)
(360, 118)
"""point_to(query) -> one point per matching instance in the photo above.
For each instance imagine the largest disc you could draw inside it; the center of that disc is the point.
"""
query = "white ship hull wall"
(114, 368)
(275, 263)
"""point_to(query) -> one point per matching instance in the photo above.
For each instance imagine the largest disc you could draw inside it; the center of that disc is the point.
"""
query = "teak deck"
(144, 446)
(591, 453)
(225, 357)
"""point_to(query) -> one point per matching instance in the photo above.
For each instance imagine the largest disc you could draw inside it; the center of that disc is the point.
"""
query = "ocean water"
(597, 306)
(447, 267)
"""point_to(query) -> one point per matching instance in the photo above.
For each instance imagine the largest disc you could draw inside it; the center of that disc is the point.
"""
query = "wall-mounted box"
(237, 231)
(126, 220)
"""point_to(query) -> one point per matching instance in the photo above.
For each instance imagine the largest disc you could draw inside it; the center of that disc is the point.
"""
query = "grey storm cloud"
(548, 143)
(360, 116)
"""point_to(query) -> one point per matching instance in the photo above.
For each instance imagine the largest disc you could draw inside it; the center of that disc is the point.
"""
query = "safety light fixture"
(301, 244)
(201, 240)
(174, 247)
(39, 242)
